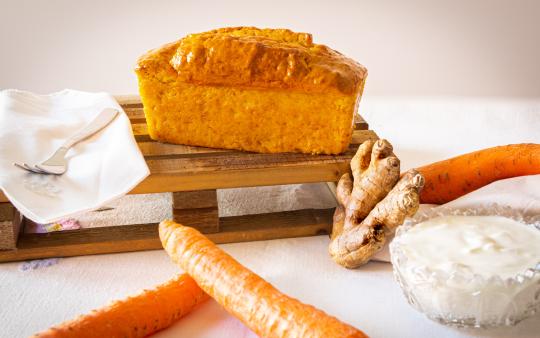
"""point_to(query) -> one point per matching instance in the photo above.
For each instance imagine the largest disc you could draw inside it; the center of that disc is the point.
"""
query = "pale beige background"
(418, 47)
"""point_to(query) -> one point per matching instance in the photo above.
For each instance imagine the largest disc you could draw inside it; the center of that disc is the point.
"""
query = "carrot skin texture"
(452, 178)
(136, 316)
(259, 305)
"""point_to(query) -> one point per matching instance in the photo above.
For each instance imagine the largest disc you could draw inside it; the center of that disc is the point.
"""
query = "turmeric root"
(375, 171)
(371, 204)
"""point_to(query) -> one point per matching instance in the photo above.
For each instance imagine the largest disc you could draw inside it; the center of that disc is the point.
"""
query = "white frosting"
(483, 245)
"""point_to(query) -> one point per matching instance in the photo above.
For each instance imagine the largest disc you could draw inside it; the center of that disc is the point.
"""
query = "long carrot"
(259, 305)
(136, 316)
(449, 179)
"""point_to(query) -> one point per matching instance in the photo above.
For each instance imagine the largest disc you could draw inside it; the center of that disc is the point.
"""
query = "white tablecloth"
(421, 131)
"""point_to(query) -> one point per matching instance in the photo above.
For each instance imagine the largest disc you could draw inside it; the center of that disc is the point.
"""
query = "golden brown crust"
(259, 58)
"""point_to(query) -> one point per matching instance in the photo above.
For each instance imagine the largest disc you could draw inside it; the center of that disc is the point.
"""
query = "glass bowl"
(462, 298)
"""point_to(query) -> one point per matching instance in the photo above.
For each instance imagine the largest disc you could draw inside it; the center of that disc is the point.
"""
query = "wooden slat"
(198, 209)
(129, 101)
(286, 224)
(206, 220)
(231, 169)
(332, 186)
(359, 136)
(136, 114)
(139, 129)
(10, 226)
(152, 148)
(6, 212)
(241, 178)
(84, 242)
(195, 199)
(128, 238)
(360, 123)
(236, 160)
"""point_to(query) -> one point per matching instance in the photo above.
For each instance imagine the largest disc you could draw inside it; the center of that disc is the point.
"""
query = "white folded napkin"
(101, 168)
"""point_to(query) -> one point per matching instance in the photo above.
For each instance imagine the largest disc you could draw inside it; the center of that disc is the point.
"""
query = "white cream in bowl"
(469, 270)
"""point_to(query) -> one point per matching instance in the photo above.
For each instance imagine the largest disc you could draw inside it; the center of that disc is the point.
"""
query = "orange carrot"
(449, 179)
(259, 305)
(136, 316)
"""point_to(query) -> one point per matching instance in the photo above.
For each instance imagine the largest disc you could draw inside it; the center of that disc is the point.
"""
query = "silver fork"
(57, 163)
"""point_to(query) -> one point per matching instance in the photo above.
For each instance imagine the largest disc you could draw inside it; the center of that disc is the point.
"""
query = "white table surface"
(422, 130)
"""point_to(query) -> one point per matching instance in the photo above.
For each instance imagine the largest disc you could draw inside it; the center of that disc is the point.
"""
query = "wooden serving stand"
(192, 175)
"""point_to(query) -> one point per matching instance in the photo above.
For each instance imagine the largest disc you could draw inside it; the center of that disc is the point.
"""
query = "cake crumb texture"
(262, 90)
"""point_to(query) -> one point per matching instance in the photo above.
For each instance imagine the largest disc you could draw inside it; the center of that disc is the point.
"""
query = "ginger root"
(371, 203)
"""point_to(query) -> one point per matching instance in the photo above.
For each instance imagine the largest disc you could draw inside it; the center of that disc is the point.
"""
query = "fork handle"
(98, 123)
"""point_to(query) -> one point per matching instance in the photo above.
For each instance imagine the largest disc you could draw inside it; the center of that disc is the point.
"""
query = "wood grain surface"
(126, 238)
(197, 209)
(10, 226)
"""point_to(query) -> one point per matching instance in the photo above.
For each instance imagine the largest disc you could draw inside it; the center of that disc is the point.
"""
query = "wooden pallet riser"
(193, 174)
(10, 226)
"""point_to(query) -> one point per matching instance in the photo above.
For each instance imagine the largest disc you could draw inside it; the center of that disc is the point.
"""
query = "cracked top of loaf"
(256, 58)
